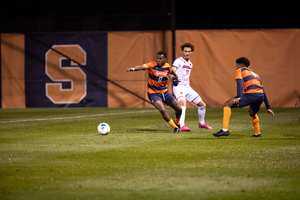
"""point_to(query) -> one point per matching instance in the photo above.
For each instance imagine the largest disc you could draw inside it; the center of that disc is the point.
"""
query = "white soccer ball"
(103, 129)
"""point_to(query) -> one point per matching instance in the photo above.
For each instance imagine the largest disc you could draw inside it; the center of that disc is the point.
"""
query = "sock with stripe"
(171, 123)
(177, 121)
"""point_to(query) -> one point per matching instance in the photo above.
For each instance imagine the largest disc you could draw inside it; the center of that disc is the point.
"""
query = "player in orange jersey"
(249, 92)
(158, 89)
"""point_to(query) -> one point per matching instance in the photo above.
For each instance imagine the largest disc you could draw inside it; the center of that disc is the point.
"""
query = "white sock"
(224, 129)
(201, 114)
(182, 118)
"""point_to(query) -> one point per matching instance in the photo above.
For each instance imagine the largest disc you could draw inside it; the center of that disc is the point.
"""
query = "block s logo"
(70, 73)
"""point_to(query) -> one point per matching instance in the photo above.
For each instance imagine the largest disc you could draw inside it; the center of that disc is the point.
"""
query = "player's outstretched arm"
(137, 68)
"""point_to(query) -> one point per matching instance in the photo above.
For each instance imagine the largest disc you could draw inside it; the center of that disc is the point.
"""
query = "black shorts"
(252, 99)
(165, 97)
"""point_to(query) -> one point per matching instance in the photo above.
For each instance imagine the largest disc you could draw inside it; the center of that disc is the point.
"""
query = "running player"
(158, 89)
(182, 66)
(249, 92)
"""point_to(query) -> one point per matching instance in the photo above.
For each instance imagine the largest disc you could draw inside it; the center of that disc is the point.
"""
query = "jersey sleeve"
(176, 63)
(266, 101)
(238, 74)
(170, 68)
(149, 65)
(239, 87)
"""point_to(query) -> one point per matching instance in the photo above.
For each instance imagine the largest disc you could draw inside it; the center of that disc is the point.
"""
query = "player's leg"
(169, 100)
(195, 98)
(255, 122)
(157, 101)
(178, 111)
(172, 102)
(179, 92)
(201, 114)
(161, 108)
(228, 105)
(226, 117)
(182, 104)
(253, 110)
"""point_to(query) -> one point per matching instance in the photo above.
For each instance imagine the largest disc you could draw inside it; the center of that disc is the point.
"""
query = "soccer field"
(58, 154)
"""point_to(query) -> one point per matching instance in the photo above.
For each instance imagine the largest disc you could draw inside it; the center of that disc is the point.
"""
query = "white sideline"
(75, 117)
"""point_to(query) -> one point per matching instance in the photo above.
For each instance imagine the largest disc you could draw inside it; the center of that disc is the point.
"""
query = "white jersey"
(183, 71)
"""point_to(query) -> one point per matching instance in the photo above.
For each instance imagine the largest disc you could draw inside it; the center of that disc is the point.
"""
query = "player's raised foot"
(256, 135)
(184, 128)
(206, 126)
(221, 133)
(176, 130)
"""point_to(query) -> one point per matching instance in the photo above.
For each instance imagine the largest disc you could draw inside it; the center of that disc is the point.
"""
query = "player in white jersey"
(182, 66)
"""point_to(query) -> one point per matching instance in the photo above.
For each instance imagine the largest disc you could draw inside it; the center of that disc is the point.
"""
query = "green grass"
(57, 154)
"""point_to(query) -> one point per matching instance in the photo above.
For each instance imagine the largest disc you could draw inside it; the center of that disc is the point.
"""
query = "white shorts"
(186, 92)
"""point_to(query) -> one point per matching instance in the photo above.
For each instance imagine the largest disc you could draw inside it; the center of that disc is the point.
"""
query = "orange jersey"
(158, 77)
(251, 81)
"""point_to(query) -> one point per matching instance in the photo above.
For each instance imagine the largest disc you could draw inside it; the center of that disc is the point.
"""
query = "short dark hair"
(243, 60)
(187, 45)
(162, 53)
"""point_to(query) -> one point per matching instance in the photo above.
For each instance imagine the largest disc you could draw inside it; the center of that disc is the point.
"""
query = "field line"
(76, 117)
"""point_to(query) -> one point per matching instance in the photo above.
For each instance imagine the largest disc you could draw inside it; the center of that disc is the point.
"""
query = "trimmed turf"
(57, 154)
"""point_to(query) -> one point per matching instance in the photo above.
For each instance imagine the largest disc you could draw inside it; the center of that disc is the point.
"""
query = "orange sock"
(226, 117)
(171, 123)
(177, 120)
(255, 123)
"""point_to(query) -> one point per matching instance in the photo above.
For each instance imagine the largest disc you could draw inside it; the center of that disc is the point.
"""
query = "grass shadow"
(279, 138)
(224, 138)
(146, 129)
(214, 138)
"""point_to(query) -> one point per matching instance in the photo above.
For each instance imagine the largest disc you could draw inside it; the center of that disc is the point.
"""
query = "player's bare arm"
(175, 77)
(174, 68)
(270, 112)
(173, 73)
(137, 68)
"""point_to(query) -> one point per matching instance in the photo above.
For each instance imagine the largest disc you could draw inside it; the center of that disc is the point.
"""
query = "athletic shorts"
(165, 97)
(252, 99)
(186, 92)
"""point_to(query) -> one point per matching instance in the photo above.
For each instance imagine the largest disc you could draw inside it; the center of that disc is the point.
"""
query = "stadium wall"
(35, 71)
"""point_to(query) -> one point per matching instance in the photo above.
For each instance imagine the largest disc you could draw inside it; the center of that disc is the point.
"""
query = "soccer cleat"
(256, 135)
(221, 133)
(205, 126)
(185, 128)
(176, 130)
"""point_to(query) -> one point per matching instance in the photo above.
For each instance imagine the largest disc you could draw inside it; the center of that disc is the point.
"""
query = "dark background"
(30, 16)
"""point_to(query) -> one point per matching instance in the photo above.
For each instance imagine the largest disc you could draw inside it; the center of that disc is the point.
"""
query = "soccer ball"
(103, 129)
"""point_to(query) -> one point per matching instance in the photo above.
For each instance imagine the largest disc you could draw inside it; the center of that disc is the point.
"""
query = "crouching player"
(249, 92)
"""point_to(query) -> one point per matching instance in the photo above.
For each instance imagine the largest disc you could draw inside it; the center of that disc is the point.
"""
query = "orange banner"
(12, 71)
(274, 55)
(125, 50)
